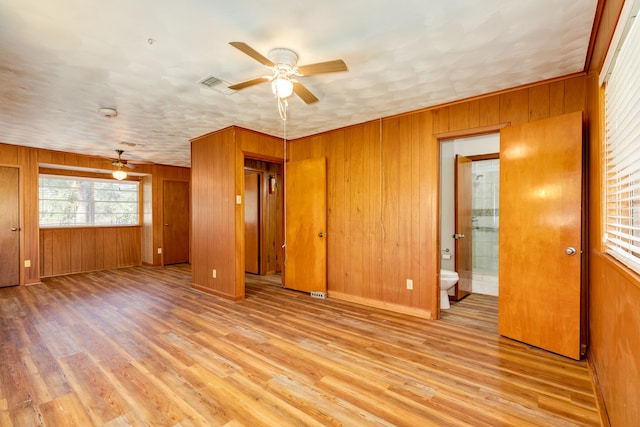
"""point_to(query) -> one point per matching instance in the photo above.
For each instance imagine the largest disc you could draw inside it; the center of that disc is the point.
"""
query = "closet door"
(9, 227)
(540, 233)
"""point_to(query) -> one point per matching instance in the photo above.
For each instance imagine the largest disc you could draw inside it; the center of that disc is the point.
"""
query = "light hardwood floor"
(138, 347)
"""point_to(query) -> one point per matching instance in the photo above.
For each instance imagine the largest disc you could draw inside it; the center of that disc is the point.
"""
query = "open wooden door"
(9, 227)
(464, 260)
(539, 301)
(175, 216)
(305, 267)
(252, 222)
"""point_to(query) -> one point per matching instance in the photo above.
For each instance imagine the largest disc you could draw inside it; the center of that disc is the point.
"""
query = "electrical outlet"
(214, 273)
(27, 263)
(159, 251)
(409, 284)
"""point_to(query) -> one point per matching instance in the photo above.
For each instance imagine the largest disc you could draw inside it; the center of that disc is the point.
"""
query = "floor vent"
(217, 84)
(319, 295)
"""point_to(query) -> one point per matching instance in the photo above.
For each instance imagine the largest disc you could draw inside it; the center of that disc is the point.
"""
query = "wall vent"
(217, 84)
(318, 294)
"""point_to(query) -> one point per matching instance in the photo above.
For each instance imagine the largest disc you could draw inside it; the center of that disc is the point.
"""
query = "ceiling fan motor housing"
(283, 58)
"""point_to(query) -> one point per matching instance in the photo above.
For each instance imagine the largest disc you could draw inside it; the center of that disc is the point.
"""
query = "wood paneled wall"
(217, 177)
(76, 250)
(614, 291)
(383, 186)
(28, 160)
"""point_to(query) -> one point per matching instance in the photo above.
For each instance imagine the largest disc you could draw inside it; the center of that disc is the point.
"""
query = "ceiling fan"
(284, 69)
(118, 163)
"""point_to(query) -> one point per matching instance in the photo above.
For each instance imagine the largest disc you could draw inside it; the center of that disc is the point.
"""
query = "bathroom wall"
(483, 144)
(485, 226)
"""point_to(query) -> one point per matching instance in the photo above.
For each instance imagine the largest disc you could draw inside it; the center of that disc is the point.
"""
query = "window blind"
(622, 150)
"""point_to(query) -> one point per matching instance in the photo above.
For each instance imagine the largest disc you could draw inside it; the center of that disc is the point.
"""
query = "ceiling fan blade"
(248, 50)
(248, 83)
(128, 165)
(304, 93)
(323, 67)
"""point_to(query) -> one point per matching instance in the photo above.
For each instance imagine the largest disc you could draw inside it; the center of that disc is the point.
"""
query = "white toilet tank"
(448, 274)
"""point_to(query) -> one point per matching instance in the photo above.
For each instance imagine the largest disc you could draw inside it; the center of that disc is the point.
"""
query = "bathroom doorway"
(483, 151)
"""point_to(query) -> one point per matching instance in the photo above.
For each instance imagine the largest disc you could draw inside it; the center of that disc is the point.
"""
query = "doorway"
(482, 192)
(175, 219)
(263, 219)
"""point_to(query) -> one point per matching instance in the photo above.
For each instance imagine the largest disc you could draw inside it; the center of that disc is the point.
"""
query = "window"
(622, 146)
(73, 201)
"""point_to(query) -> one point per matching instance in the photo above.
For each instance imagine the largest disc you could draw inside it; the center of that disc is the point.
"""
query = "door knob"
(458, 236)
(570, 251)
(14, 229)
(321, 234)
(166, 225)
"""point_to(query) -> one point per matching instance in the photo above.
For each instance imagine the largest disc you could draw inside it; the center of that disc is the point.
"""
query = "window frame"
(80, 177)
(620, 197)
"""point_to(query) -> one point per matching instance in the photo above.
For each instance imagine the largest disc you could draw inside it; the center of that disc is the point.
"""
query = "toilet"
(448, 279)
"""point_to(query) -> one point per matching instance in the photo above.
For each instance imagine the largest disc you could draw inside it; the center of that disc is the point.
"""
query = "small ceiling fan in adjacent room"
(282, 63)
(118, 163)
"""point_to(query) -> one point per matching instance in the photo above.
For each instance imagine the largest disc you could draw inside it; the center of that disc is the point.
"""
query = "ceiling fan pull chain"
(282, 108)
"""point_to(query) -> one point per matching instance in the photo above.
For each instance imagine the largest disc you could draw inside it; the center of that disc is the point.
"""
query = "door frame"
(240, 253)
(162, 218)
(35, 263)
(443, 138)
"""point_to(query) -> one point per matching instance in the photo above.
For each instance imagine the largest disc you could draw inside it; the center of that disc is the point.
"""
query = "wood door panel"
(252, 222)
(464, 259)
(306, 220)
(175, 218)
(540, 217)
(9, 227)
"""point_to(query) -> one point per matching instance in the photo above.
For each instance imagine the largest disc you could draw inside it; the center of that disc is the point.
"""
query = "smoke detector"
(108, 112)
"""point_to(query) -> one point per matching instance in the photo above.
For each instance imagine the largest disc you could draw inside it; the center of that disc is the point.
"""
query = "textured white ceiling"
(61, 60)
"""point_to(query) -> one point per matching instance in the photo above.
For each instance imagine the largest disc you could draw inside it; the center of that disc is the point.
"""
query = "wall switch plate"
(159, 251)
(409, 284)
(238, 199)
(214, 273)
(27, 263)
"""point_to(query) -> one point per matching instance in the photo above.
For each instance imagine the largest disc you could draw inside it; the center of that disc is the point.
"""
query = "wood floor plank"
(139, 347)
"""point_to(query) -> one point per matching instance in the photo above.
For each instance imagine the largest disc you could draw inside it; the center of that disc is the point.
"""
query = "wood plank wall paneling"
(217, 176)
(213, 208)
(383, 179)
(614, 292)
(76, 250)
(41, 255)
(605, 27)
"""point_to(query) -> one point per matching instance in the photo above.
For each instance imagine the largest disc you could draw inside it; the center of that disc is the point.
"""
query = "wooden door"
(463, 236)
(252, 222)
(9, 227)
(175, 214)
(540, 226)
(305, 258)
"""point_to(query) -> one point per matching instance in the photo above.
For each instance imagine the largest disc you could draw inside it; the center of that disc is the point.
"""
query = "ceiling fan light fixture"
(119, 174)
(282, 87)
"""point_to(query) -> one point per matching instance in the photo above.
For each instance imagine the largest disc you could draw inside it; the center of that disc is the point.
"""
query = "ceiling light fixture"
(282, 87)
(119, 174)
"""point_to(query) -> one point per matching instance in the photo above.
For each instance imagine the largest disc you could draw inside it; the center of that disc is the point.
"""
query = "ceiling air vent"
(217, 84)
